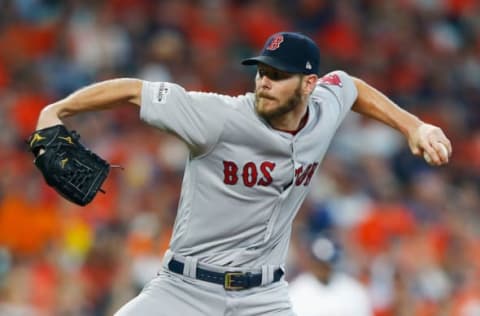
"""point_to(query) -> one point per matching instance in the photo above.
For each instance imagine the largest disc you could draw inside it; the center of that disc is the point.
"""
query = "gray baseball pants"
(174, 294)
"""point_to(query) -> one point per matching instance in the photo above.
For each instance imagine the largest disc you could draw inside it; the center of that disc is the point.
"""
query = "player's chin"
(266, 107)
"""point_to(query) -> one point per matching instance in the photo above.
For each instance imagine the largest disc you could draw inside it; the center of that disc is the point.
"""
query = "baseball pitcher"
(252, 158)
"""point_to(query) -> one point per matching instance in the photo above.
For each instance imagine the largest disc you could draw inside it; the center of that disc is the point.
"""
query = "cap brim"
(267, 60)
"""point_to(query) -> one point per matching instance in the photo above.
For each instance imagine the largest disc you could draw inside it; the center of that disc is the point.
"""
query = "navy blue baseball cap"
(290, 52)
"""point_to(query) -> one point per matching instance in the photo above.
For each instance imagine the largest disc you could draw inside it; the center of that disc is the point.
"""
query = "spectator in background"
(323, 290)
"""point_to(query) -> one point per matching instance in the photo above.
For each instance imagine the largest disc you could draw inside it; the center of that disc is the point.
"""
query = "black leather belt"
(232, 281)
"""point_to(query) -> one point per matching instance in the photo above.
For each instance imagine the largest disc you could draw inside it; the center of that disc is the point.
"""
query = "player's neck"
(292, 121)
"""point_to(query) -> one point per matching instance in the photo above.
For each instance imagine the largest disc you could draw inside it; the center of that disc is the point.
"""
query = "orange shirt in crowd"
(26, 227)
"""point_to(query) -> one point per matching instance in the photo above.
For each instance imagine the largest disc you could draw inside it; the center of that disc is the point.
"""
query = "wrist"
(48, 117)
(410, 128)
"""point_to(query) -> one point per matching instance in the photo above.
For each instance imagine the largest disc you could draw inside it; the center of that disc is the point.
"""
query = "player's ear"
(309, 83)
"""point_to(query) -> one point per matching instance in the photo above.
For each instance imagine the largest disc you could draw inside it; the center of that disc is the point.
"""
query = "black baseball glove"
(72, 170)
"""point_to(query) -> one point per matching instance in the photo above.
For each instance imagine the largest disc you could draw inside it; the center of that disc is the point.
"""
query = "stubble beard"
(282, 109)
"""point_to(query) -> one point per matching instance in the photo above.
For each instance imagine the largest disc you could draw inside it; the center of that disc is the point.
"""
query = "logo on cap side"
(275, 43)
(308, 65)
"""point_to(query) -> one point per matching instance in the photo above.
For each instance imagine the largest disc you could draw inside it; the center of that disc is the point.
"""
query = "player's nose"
(265, 82)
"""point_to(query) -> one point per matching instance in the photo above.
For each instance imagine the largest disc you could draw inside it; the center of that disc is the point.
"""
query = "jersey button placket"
(294, 160)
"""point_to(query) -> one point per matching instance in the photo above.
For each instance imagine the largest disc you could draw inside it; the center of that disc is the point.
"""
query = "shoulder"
(337, 84)
(335, 79)
(169, 92)
(225, 100)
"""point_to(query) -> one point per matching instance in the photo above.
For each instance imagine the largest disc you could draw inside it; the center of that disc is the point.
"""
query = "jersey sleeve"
(196, 118)
(341, 85)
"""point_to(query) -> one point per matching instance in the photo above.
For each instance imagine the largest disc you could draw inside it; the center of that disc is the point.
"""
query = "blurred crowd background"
(409, 232)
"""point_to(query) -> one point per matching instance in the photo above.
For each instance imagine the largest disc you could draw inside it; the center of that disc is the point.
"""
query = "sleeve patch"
(331, 79)
(161, 94)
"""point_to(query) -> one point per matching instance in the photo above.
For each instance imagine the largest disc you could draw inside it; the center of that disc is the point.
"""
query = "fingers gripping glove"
(72, 170)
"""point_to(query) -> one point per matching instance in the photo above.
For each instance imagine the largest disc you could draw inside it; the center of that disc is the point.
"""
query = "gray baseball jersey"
(244, 181)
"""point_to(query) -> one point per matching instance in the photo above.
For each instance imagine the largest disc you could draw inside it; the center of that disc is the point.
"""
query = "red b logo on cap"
(275, 43)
